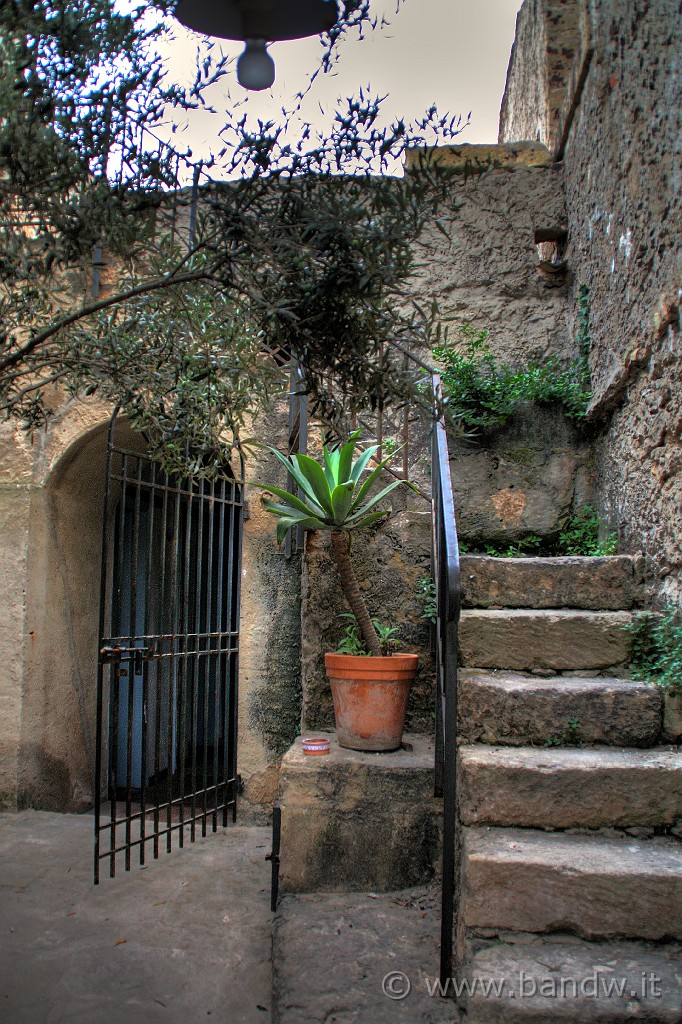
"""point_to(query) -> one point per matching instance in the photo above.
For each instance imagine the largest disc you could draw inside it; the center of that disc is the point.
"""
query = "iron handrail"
(446, 574)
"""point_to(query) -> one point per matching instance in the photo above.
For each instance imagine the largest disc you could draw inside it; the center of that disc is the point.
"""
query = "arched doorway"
(169, 627)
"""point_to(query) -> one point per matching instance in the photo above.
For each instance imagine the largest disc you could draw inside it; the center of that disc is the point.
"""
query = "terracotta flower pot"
(370, 698)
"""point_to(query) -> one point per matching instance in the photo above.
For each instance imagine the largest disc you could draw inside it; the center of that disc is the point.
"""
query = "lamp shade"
(271, 20)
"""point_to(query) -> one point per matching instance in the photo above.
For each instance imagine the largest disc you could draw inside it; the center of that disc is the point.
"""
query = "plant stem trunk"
(351, 590)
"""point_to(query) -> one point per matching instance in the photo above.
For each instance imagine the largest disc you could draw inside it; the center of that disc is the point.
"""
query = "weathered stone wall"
(15, 497)
(270, 643)
(528, 478)
(551, 51)
(487, 272)
(622, 161)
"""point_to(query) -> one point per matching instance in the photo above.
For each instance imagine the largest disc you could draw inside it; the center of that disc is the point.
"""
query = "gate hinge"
(239, 784)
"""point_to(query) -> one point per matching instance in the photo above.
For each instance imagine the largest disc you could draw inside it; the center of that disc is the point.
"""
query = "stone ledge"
(355, 821)
(469, 158)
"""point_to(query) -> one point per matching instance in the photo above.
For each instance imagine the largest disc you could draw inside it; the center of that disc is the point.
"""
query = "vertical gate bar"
(174, 693)
(208, 660)
(221, 692)
(147, 631)
(235, 577)
(228, 757)
(132, 662)
(161, 662)
(104, 562)
(184, 668)
(194, 665)
(230, 709)
(116, 679)
(201, 664)
(211, 660)
(236, 583)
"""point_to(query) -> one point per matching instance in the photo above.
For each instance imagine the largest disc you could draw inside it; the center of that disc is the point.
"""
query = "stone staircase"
(570, 879)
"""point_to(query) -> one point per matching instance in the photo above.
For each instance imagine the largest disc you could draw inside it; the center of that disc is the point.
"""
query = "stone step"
(574, 981)
(530, 640)
(566, 788)
(518, 710)
(593, 886)
(600, 584)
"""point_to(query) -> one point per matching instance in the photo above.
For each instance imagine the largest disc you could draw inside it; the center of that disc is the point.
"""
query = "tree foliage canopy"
(182, 303)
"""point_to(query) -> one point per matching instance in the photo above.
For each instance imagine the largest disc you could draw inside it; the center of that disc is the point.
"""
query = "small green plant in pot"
(370, 691)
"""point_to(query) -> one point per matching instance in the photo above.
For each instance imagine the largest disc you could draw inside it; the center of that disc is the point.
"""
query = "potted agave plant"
(370, 690)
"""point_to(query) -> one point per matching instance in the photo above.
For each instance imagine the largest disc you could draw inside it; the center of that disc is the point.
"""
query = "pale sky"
(451, 52)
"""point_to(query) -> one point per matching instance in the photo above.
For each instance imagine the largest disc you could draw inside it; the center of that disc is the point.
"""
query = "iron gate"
(166, 755)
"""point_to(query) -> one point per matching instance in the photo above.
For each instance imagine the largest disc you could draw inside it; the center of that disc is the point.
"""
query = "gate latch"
(109, 654)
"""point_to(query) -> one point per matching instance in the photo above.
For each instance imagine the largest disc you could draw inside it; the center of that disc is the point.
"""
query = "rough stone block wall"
(622, 162)
(487, 272)
(551, 51)
(527, 478)
(14, 509)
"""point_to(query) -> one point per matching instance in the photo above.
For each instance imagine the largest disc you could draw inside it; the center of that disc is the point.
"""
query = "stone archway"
(57, 744)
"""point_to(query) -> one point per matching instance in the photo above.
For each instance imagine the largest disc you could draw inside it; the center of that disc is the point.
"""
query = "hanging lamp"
(257, 23)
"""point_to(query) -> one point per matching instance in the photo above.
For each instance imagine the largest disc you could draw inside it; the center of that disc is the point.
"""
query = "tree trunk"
(351, 590)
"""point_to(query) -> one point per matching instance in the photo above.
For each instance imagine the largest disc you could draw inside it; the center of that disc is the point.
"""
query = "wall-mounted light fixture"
(257, 22)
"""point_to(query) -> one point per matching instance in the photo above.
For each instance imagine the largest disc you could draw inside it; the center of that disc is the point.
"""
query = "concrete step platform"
(592, 886)
(565, 788)
(600, 584)
(358, 959)
(580, 982)
(529, 640)
(508, 708)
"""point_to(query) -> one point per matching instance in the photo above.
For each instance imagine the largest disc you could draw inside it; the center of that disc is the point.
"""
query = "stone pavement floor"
(358, 958)
(185, 939)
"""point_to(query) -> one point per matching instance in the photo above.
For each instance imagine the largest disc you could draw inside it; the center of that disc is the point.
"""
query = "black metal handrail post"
(445, 557)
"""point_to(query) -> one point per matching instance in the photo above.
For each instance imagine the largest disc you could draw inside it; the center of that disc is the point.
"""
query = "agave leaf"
(331, 462)
(290, 499)
(345, 463)
(286, 522)
(373, 500)
(342, 499)
(370, 480)
(314, 475)
(361, 462)
(373, 517)
(298, 476)
(289, 513)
